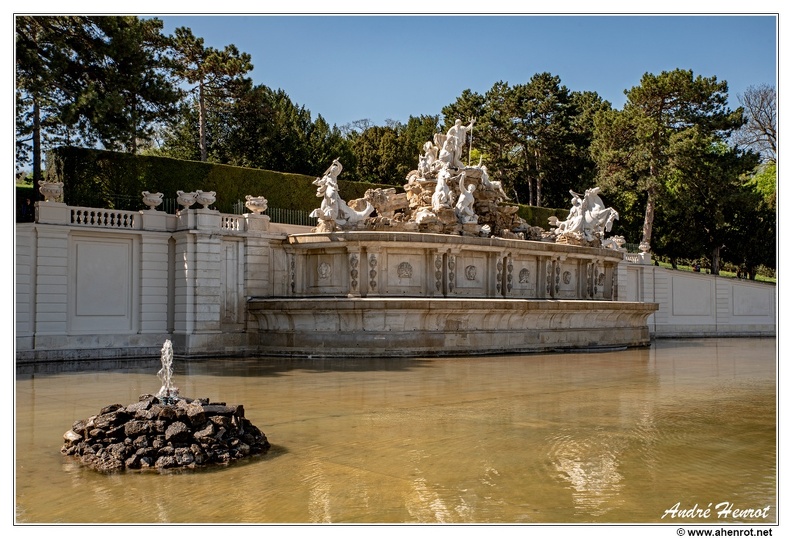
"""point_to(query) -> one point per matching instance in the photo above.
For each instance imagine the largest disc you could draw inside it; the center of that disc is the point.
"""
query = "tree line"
(691, 178)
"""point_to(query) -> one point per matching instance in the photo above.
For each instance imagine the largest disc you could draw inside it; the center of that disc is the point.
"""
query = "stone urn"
(185, 200)
(51, 191)
(257, 205)
(152, 200)
(205, 198)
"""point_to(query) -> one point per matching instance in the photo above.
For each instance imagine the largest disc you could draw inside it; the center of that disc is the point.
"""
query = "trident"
(470, 148)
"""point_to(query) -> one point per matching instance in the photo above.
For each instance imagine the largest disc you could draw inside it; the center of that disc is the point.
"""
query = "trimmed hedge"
(537, 216)
(99, 179)
(103, 179)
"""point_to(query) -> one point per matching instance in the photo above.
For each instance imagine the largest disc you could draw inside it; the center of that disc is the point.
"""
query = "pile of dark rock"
(153, 434)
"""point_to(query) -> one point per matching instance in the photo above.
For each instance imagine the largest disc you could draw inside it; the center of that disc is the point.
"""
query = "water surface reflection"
(605, 437)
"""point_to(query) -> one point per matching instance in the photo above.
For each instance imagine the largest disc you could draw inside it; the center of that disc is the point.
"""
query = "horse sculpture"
(588, 216)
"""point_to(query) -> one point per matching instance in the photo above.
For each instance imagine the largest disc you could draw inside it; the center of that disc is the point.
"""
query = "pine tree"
(216, 76)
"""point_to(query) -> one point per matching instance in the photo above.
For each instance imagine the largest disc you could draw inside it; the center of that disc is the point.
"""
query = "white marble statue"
(448, 153)
(427, 161)
(464, 206)
(333, 208)
(459, 132)
(327, 190)
(494, 184)
(588, 217)
(442, 196)
(597, 218)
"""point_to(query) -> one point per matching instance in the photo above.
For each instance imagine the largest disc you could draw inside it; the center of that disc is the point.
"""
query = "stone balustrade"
(58, 213)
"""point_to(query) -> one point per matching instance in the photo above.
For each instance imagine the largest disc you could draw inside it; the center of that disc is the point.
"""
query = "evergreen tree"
(129, 89)
(377, 156)
(89, 80)
(413, 135)
(48, 76)
(216, 76)
(529, 136)
(635, 147)
(708, 197)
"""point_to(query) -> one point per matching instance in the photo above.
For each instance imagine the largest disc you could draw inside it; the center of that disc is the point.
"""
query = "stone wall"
(404, 264)
(702, 305)
(99, 284)
(110, 284)
(431, 327)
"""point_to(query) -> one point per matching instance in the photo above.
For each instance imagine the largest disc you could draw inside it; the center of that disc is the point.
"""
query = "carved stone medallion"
(404, 270)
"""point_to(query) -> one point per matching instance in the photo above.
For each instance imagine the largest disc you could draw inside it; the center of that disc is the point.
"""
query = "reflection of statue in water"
(464, 205)
(588, 217)
(333, 208)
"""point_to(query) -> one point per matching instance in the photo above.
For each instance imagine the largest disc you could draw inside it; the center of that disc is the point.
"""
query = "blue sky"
(348, 68)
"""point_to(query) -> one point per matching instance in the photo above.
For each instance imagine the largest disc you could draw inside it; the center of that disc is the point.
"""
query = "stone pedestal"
(257, 222)
(154, 220)
(55, 213)
(199, 219)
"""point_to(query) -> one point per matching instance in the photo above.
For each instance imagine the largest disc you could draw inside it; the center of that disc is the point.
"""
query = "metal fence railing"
(290, 217)
(279, 215)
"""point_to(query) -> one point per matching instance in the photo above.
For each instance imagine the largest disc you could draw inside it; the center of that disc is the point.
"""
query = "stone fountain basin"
(433, 327)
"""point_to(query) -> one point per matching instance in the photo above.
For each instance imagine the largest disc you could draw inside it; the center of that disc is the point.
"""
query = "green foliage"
(93, 80)
(387, 154)
(707, 204)
(533, 137)
(377, 154)
(642, 146)
(262, 128)
(92, 178)
(129, 90)
(538, 216)
(95, 178)
(764, 182)
(89, 80)
(216, 76)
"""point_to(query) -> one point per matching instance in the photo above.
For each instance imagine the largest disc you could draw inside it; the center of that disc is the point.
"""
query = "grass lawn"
(723, 273)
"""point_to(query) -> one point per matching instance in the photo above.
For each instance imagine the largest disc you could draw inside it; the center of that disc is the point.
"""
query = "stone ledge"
(412, 327)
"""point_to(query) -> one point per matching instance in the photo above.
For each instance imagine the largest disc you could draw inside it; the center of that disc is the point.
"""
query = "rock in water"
(150, 434)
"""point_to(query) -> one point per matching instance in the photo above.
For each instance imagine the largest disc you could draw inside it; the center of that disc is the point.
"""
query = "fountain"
(448, 268)
(164, 431)
(167, 393)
